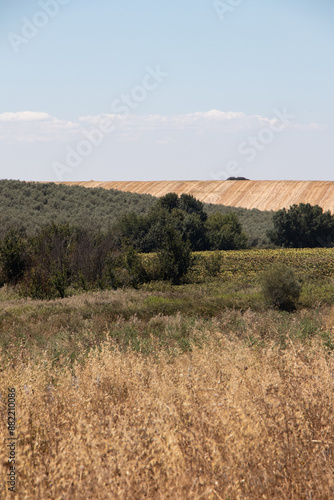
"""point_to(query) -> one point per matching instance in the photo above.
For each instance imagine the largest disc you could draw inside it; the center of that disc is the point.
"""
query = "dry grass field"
(262, 195)
(225, 421)
(235, 406)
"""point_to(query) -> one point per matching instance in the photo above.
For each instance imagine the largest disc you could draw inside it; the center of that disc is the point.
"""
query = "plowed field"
(263, 195)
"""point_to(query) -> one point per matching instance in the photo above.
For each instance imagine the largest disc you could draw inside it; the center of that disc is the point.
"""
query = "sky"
(155, 90)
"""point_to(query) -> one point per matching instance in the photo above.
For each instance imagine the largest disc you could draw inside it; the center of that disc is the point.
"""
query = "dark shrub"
(123, 268)
(280, 287)
(174, 256)
(303, 226)
(39, 283)
(13, 257)
(225, 232)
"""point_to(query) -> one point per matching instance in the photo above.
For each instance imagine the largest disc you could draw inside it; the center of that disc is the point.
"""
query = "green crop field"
(313, 262)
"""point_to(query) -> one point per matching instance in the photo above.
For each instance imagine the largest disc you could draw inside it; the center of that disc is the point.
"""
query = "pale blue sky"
(230, 65)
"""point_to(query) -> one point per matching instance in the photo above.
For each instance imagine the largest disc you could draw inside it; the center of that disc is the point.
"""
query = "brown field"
(224, 422)
(246, 413)
(199, 391)
(262, 195)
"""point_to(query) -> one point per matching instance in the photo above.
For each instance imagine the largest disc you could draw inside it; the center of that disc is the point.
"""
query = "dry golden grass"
(225, 421)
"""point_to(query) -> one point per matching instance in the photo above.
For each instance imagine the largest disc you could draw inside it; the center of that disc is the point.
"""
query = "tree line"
(61, 256)
(32, 205)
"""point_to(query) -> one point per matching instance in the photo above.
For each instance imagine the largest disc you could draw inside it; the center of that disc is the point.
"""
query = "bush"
(302, 226)
(13, 258)
(49, 273)
(184, 213)
(174, 256)
(225, 232)
(280, 287)
(39, 283)
(124, 268)
(213, 263)
(237, 179)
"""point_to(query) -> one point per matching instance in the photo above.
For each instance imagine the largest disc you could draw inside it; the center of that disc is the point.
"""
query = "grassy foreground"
(168, 393)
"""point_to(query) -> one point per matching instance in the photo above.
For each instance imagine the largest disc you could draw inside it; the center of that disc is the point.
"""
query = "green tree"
(302, 226)
(189, 204)
(13, 257)
(124, 267)
(185, 214)
(225, 232)
(174, 255)
(132, 229)
(169, 201)
(49, 273)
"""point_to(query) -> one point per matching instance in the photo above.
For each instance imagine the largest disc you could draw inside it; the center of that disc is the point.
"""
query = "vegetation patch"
(149, 402)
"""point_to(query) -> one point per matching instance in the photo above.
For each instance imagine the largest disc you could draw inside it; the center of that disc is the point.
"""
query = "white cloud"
(24, 116)
(214, 120)
(306, 127)
(29, 126)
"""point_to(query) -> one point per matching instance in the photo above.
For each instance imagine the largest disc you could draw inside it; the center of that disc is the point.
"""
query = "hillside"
(261, 195)
(30, 205)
